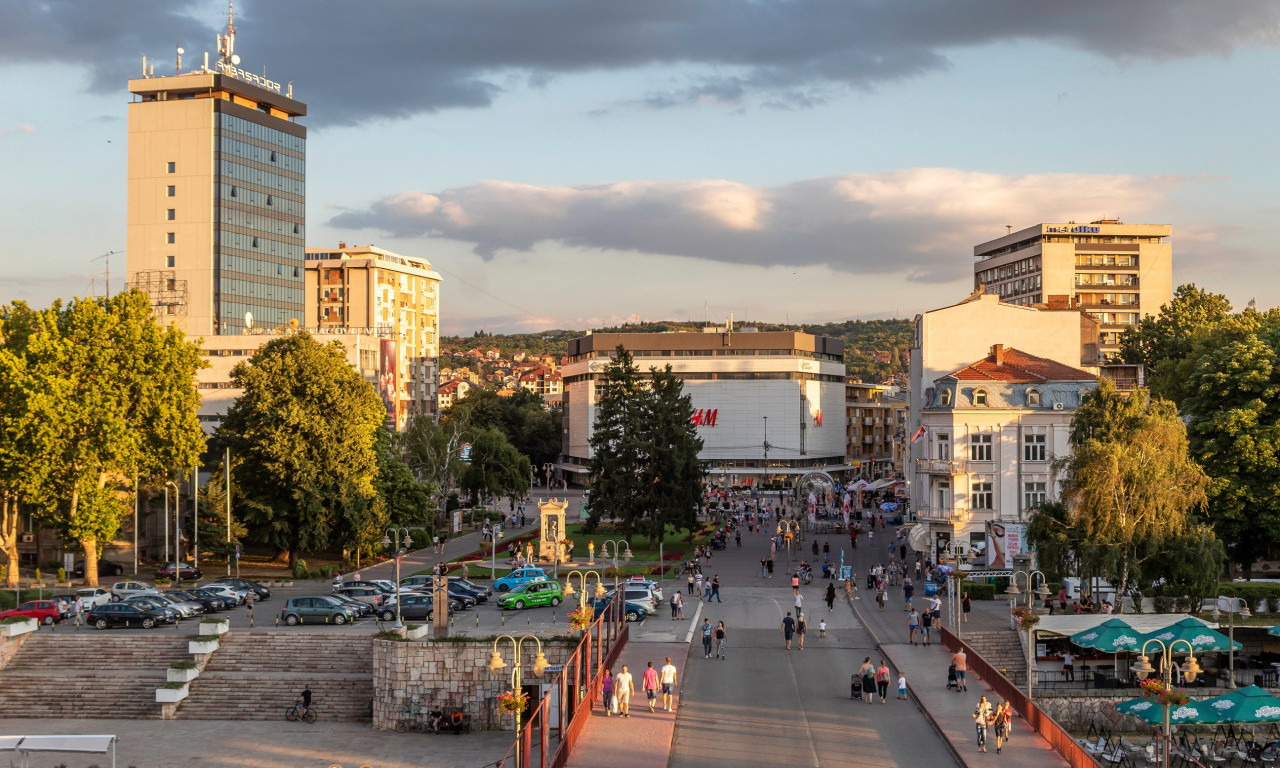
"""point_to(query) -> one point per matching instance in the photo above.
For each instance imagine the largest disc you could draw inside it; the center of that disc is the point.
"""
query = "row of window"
(1023, 267)
(261, 291)
(1116, 318)
(290, 252)
(980, 397)
(246, 265)
(1122, 299)
(1105, 278)
(982, 494)
(231, 315)
(264, 224)
(261, 133)
(1106, 260)
(258, 154)
(246, 196)
(238, 172)
(1020, 286)
(1034, 446)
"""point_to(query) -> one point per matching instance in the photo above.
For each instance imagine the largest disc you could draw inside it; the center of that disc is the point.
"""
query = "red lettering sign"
(704, 417)
(817, 419)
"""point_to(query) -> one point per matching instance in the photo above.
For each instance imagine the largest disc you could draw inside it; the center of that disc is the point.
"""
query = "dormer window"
(980, 397)
(1033, 397)
(944, 397)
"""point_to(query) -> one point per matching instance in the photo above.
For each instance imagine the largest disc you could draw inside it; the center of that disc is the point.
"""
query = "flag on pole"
(919, 434)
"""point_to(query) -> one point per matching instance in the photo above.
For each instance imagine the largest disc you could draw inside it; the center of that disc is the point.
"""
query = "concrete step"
(54, 693)
(95, 649)
(266, 696)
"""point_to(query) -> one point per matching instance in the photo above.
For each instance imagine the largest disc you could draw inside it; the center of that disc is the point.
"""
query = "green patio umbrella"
(1195, 632)
(1111, 636)
(1153, 712)
(1249, 704)
(1274, 630)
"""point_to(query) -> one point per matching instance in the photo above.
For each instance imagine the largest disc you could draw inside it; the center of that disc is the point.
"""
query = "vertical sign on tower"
(389, 380)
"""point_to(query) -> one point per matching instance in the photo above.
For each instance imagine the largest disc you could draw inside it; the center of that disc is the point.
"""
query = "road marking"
(693, 625)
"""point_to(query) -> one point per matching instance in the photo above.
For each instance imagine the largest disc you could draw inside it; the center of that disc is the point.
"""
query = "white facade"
(746, 388)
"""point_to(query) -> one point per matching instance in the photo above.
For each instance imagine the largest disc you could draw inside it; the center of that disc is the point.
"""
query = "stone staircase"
(88, 674)
(1003, 650)
(258, 675)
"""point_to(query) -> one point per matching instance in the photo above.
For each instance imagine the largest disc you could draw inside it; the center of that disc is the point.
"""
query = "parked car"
(519, 576)
(412, 606)
(532, 595)
(419, 580)
(640, 581)
(384, 584)
(170, 614)
(462, 593)
(186, 572)
(455, 603)
(262, 592)
(631, 611)
(224, 602)
(383, 587)
(370, 595)
(43, 611)
(124, 615)
(92, 597)
(319, 609)
(361, 608)
(187, 608)
(482, 592)
(227, 591)
(123, 589)
(210, 603)
(105, 568)
(638, 594)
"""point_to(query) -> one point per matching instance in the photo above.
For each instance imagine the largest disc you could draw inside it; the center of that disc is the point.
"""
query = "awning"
(882, 483)
(1143, 623)
(918, 537)
(62, 743)
(573, 468)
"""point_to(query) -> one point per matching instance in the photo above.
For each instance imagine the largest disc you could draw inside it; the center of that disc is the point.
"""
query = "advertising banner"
(389, 379)
(1004, 540)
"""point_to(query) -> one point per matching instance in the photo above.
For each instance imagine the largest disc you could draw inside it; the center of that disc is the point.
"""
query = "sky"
(580, 163)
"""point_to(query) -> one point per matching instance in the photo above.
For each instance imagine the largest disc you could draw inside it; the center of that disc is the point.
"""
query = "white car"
(387, 586)
(122, 589)
(184, 607)
(227, 591)
(92, 597)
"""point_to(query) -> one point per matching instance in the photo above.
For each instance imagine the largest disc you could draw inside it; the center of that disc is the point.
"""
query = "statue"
(528, 551)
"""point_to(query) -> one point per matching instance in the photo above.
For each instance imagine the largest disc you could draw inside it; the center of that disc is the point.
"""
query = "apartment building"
(363, 288)
(1117, 272)
(876, 416)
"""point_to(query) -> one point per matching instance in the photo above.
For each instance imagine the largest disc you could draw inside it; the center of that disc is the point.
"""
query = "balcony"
(943, 514)
(867, 422)
(937, 467)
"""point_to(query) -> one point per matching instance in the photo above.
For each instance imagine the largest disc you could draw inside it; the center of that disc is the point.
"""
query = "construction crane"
(106, 256)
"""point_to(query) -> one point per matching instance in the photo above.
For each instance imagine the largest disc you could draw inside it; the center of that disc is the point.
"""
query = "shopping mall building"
(769, 406)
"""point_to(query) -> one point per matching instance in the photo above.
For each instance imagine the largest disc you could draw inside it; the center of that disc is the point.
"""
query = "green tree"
(123, 404)
(1232, 387)
(305, 429)
(25, 449)
(213, 515)
(407, 500)
(1161, 343)
(618, 446)
(1130, 485)
(431, 450)
(496, 467)
(676, 475)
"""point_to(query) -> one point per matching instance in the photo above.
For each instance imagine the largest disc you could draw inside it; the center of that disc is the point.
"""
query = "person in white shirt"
(668, 679)
(623, 687)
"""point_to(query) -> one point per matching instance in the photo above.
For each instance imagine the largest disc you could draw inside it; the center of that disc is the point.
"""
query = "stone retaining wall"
(1079, 710)
(9, 647)
(452, 673)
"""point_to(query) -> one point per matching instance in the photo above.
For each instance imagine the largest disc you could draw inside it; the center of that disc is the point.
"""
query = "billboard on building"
(1004, 541)
(389, 379)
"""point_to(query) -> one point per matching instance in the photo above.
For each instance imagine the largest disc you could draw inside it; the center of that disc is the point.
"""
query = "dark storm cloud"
(358, 60)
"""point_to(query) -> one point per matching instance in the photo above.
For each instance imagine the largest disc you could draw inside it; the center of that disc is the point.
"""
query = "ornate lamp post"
(1042, 592)
(1240, 606)
(496, 665)
(1189, 670)
(787, 529)
(606, 553)
(386, 542)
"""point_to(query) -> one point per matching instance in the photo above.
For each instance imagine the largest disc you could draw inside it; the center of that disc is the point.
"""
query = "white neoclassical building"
(988, 435)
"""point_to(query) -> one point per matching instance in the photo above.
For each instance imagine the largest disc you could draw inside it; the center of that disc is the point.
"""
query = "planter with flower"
(1164, 695)
(512, 702)
(1026, 618)
(580, 619)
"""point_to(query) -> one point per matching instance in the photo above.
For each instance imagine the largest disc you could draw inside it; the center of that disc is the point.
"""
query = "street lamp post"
(604, 555)
(1042, 592)
(547, 469)
(569, 591)
(787, 530)
(494, 538)
(177, 531)
(1241, 606)
(386, 542)
(1189, 670)
(959, 556)
(496, 665)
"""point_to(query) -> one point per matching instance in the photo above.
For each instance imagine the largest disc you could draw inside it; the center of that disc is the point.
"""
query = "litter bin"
(930, 588)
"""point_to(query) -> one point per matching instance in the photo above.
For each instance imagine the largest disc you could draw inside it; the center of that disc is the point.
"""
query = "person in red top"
(650, 684)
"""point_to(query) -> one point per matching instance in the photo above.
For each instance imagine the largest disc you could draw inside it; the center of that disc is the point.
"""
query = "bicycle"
(410, 717)
(298, 712)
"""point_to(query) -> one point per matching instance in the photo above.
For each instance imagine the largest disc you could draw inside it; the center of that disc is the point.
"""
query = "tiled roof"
(1018, 366)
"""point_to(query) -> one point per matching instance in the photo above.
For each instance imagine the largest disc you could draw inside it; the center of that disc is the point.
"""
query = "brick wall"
(454, 673)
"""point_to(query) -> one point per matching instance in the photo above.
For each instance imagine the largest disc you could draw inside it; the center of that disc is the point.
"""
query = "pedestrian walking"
(248, 604)
(1001, 723)
(868, 673)
(831, 596)
(801, 627)
(788, 628)
(697, 584)
(623, 687)
(966, 605)
(649, 681)
(882, 681)
(799, 603)
(675, 605)
(982, 717)
(690, 568)
(722, 636)
(606, 693)
(908, 592)
(902, 685)
(1068, 666)
(668, 679)
(962, 667)
(737, 537)
(769, 563)
(715, 588)
(79, 611)
(706, 638)
(763, 571)
(913, 626)
(926, 623)
(795, 582)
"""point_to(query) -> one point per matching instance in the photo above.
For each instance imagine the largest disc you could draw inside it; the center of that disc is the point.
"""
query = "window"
(944, 397)
(980, 447)
(172, 191)
(171, 214)
(169, 237)
(173, 167)
(980, 397)
(1033, 447)
(1033, 397)
(944, 446)
(169, 261)
(980, 496)
(1033, 494)
(233, 191)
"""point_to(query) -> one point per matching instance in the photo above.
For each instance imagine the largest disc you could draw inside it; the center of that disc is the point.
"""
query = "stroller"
(952, 685)
(855, 686)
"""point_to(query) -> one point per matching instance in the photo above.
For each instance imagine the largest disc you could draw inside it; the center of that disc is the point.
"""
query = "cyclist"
(306, 702)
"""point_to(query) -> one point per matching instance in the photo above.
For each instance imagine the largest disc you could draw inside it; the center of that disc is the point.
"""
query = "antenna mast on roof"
(227, 42)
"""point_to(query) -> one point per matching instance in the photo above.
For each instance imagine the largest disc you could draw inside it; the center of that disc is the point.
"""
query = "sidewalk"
(952, 713)
(642, 740)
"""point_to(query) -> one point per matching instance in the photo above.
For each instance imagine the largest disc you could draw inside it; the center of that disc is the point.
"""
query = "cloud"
(921, 222)
(358, 61)
(20, 128)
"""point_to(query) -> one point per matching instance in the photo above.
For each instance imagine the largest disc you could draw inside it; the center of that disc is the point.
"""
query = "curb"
(951, 748)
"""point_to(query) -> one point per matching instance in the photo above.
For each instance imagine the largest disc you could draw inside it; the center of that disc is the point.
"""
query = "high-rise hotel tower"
(216, 196)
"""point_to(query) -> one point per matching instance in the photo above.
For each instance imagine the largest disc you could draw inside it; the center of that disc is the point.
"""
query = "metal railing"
(938, 466)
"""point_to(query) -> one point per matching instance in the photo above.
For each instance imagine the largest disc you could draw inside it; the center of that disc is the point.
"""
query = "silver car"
(227, 591)
(186, 608)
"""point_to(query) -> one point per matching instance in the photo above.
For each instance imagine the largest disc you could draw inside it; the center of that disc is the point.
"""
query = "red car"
(43, 611)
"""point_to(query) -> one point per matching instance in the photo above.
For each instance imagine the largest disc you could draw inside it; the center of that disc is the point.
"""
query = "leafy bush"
(174, 686)
(14, 620)
(183, 665)
(207, 638)
(978, 591)
(62, 575)
(214, 620)
(388, 634)
(163, 582)
(300, 569)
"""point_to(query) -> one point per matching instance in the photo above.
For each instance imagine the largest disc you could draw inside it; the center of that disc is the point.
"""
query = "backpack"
(706, 631)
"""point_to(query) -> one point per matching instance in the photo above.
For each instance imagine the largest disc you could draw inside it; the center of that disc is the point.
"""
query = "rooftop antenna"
(227, 42)
(177, 67)
(144, 65)
(1008, 229)
(107, 258)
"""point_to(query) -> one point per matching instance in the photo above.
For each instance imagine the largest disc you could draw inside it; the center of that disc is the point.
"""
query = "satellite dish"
(248, 319)
(181, 51)
(235, 59)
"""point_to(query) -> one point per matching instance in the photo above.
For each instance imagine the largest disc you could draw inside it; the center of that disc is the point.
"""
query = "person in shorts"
(649, 681)
(668, 679)
(962, 666)
(788, 628)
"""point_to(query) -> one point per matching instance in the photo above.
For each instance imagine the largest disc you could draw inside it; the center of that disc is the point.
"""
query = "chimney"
(997, 351)
(342, 246)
